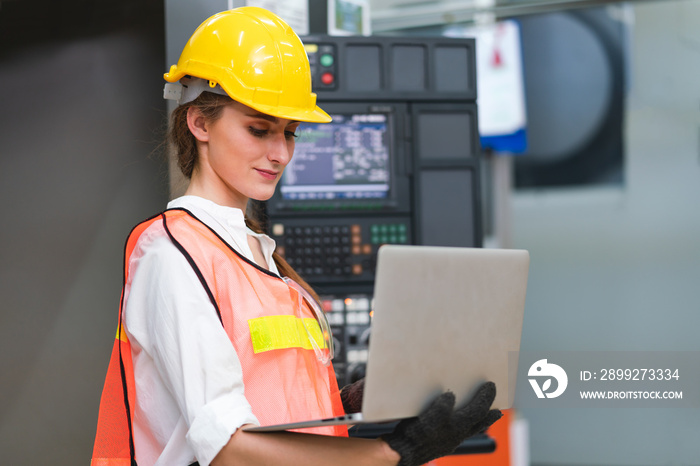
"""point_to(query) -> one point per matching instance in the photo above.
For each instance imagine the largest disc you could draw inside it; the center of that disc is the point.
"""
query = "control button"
(327, 78)
(362, 304)
(326, 60)
(336, 319)
(338, 305)
(352, 355)
(362, 355)
(278, 229)
(362, 318)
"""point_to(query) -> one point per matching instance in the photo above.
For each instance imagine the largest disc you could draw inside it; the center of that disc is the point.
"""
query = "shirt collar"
(230, 220)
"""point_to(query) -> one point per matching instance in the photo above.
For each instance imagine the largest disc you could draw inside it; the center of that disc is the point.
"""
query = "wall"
(618, 268)
(82, 117)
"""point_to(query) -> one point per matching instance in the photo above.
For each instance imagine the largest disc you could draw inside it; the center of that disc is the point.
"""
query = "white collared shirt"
(189, 383)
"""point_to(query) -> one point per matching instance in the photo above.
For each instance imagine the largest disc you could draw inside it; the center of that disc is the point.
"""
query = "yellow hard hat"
(257, 59)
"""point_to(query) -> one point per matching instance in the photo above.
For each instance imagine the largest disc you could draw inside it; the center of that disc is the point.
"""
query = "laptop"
(445, 318)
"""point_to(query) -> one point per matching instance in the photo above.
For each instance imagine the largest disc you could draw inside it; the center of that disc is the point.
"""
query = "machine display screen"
(348, 158)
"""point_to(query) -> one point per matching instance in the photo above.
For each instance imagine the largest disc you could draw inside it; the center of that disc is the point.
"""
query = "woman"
(217, 332)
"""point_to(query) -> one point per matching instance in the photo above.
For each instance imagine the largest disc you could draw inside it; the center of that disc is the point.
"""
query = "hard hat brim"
(317, 115)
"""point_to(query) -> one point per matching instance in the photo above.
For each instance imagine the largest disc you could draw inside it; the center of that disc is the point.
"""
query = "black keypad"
(319, 250)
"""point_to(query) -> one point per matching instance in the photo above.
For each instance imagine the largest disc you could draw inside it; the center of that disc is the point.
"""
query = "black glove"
(351, 396)
(440, 429)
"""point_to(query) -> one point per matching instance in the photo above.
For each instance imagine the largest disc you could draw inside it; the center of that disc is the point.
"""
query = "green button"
(403, 239)
(393, 239)
(374, 229)
(326, 60)
(402, 228)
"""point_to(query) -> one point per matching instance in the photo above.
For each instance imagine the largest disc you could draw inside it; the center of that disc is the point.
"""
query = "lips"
(268, 174)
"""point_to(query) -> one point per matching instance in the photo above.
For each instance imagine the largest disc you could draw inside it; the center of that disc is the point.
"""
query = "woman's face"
(241, 155)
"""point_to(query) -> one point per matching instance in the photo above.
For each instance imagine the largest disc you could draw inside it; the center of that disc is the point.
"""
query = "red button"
(327, 78)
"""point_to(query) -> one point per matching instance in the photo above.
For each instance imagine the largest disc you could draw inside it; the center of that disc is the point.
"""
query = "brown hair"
(185, 145)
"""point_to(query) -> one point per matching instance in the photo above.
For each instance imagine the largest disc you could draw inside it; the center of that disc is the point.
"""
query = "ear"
(197, 124)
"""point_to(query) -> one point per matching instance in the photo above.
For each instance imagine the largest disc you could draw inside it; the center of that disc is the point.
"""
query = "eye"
(259, 133)
(291, 134)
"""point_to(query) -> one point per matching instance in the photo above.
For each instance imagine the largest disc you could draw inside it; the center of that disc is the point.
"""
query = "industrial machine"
(398, 164)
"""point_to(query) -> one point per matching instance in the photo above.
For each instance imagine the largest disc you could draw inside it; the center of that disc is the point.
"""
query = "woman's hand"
(351, 396)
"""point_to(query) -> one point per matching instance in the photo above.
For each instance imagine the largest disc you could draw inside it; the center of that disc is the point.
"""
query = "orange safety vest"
(284, 380)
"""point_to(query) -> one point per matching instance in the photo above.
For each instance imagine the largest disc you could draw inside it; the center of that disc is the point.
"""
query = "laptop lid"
(445, 318)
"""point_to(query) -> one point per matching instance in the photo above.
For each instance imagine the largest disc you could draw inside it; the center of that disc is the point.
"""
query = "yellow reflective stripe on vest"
(280, 332)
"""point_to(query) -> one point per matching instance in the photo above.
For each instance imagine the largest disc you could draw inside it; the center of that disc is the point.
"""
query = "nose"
(280, 150)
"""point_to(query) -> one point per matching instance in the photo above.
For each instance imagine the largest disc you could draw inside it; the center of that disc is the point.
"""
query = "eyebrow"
(270, 118)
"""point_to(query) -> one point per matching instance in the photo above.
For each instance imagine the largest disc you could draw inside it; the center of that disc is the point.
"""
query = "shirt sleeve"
(168, 313)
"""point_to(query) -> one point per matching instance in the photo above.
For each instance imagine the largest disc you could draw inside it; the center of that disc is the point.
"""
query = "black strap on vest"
(122, 371)
(132, 451)
(197, 272)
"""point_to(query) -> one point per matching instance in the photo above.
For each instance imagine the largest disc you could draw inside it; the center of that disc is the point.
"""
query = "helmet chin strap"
(189, 88)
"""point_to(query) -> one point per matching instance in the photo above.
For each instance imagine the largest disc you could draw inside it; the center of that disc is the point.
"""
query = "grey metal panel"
(446, 202)
(452, 68)
(408, 67)
(363, 68)
(446, 135)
